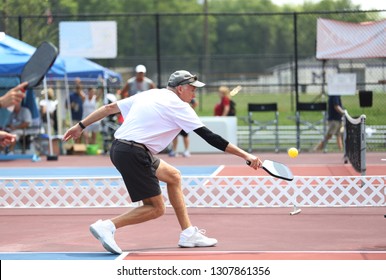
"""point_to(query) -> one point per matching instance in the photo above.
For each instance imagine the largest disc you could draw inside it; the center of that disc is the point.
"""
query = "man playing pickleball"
(152, 119)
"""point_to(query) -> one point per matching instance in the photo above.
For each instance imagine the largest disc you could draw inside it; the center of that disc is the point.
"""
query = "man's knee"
(157, 206)
(174, 176)
(159, 211)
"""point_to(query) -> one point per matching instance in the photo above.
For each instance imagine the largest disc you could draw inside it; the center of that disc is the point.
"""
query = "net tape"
(199, 192)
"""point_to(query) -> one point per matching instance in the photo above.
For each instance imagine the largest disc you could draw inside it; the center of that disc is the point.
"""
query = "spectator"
(138, 83)
(76, 103)
(20, 120)
(89, 106)
(226, 106)
(11, 98)
(49, 105)
(185, 137)
(335, 113)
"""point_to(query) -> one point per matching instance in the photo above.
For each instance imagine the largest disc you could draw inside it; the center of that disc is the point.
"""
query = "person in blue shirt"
(76, 104)
(335, 113)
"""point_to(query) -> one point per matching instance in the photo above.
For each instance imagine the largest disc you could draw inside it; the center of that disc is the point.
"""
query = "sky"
(365, 4)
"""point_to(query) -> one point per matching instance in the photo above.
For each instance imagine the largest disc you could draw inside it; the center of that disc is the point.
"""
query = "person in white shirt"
(89, 106)
(152, 119)
(50, 105)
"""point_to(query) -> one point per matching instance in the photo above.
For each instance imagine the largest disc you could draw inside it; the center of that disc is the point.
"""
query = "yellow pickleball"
(293, 152)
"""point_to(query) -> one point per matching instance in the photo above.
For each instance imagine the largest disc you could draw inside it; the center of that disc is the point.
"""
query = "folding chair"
(311, 125)
(256, 125)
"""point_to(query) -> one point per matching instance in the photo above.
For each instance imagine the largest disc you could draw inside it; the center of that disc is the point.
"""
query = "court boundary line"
(257, 255)
(182, 251)
(58, 252)
(218, 170)
(122, 256)
(255, 252)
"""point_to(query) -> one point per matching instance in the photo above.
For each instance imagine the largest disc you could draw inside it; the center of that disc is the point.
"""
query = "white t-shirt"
(50, 104)
(155, 117)
(89, 106)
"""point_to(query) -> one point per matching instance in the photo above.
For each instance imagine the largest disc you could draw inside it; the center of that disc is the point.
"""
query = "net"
(199, 191)
(355, 142)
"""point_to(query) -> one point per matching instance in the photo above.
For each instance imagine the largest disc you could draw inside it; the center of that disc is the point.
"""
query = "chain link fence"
(266, 53)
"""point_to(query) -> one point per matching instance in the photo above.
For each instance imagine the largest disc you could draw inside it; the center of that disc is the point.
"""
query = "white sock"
(189, 231)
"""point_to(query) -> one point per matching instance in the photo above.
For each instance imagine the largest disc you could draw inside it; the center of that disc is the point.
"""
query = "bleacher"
(264, 140)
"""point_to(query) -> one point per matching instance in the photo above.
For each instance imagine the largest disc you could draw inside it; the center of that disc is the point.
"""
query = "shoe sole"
(104, 244)
(192, 245)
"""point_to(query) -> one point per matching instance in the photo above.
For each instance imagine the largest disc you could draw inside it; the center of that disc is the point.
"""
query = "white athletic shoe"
(186, 154)
(197, 239)
(104, 232)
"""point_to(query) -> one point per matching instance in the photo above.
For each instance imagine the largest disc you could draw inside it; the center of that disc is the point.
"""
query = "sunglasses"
(187, 81)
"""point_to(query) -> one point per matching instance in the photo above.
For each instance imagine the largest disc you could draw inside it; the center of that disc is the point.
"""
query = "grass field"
(376, 115)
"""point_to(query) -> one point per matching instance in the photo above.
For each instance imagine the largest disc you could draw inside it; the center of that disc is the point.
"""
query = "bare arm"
(125, 91)
(104, 111)
(339, 109)
(226, 110)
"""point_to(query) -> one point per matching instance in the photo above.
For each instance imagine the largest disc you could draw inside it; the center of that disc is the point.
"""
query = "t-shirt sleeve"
(187, 119)
(124, 105)
(226, 101)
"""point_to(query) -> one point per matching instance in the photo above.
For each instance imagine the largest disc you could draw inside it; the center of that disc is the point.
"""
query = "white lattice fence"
(200, 191)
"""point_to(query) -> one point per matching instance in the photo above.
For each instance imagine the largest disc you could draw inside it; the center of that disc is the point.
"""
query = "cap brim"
(197, 84)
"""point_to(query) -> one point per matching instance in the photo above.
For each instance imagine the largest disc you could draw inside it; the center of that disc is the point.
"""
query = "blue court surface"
(72, 172)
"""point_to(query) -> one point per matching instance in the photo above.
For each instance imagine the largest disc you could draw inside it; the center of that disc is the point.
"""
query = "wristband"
(81, 125)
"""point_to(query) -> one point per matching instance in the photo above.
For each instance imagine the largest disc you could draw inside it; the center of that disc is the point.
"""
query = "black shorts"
(183, 133)
(138, 167)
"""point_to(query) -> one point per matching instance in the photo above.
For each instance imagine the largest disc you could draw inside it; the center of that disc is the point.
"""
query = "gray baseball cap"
(183, 77)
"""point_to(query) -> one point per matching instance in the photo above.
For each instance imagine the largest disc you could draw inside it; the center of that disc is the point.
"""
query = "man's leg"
(173, 152)
(152, 208)
(104, 230)
(339, 141)
(172, 177)
(190, 236)
(186, 145)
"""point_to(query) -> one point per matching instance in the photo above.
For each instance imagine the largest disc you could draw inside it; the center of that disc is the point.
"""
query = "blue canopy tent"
(79, 67)
(14, 55)
(89, 71)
